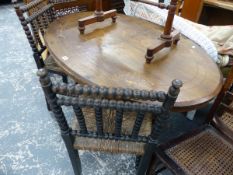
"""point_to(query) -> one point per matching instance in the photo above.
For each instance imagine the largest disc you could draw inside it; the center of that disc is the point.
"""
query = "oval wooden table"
(113, 55)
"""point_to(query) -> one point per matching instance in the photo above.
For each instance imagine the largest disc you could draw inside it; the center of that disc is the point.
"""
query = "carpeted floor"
(30, 143)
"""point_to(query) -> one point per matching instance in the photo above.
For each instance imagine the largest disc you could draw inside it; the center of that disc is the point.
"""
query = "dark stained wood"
(113, 55)
(161, 111)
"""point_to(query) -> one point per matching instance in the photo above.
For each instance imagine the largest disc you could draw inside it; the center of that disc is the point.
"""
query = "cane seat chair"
(227, 119)
(103, 121)
(207, 150)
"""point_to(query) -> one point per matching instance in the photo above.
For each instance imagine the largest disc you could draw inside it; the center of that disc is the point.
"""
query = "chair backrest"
(65, 7)
(118, 99)
(35, 18)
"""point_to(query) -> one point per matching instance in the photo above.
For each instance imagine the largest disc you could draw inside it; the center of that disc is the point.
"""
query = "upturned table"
(113, 55)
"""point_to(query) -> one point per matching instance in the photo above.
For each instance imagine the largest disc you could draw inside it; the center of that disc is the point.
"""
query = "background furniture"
(209, 149)
(217, 12)
(113, 55)
(103, 137)
(191, 10)
(208, 12)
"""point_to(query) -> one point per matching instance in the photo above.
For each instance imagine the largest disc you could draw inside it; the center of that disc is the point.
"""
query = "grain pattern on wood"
(113, 55)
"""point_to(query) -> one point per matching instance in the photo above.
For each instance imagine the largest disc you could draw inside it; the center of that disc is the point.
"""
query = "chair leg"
(153, 167)
(137, 161)
(146, 159)
(48, 106)
(73, 154)
(64, 78)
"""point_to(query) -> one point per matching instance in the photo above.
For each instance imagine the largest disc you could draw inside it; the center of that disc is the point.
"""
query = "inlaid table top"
(113, 55)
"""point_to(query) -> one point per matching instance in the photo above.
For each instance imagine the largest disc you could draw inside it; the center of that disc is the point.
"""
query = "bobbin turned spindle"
(98, 16)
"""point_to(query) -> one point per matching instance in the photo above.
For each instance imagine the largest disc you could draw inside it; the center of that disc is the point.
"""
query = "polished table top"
(113, 55)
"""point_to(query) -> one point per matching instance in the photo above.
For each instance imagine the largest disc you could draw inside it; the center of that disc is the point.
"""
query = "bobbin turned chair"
(209, 149)
(125, 133)
(35, 18)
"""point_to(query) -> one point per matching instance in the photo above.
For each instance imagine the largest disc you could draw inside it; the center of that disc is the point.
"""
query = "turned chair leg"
(73, 154)
(48, 106)
(154, 168)
(137, 161)
(64, 78)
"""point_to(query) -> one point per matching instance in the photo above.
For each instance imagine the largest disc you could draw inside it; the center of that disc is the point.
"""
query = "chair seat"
(51, 65)
(110, 146)
(227, 120)
(207, 153)
(83, 143)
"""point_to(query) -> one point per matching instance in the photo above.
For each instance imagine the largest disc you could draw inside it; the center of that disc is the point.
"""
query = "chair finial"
(42, 73)
(177, 83)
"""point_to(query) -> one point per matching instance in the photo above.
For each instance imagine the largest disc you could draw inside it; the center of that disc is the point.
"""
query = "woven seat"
(207, 150)
(110, 146)
(137, 148)
(204, 154)
(227, 120)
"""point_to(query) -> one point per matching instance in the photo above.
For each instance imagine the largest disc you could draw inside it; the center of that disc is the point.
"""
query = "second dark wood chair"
(104, 122)
(209, 149)
(35, 18)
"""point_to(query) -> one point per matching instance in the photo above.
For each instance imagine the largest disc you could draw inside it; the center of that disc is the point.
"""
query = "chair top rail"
(31, 5)
(110, 104)
(38, 13)
(122, 93)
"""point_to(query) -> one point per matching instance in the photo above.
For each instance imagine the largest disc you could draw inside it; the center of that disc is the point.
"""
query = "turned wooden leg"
(114, 19)
(137, 161)
(81, 29)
